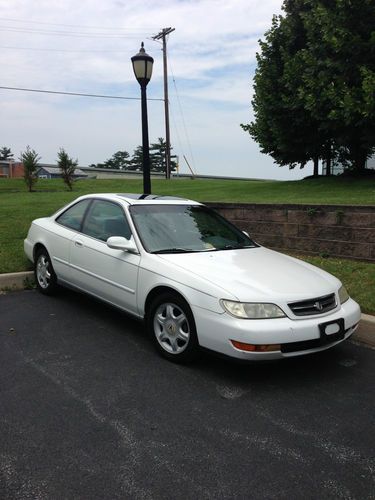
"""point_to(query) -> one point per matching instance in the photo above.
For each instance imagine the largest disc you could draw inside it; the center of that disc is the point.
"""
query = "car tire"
(171, 325)
(45, 277)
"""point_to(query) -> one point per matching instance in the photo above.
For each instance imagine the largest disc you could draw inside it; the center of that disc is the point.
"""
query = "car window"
(73, 217)
(181, 228)
(105, 219)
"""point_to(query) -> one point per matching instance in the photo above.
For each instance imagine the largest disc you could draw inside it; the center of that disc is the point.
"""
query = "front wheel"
(45, 277)
(171, 324)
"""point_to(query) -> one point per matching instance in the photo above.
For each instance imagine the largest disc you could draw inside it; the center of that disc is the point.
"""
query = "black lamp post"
(142, 66)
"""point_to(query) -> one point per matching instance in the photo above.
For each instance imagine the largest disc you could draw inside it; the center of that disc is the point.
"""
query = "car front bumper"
(295, 336)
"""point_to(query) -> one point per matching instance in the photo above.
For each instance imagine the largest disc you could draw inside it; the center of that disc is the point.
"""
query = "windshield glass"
(184, 228)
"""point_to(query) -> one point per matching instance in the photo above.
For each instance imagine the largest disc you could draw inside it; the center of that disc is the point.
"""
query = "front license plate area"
(331, 331)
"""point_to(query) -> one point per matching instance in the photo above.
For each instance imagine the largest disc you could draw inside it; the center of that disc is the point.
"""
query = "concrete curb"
(16, 281)
(365, 333)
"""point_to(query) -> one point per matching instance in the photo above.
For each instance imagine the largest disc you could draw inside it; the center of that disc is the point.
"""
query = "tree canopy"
(6, 153)
(314, 86)
(30, 160)
(122, 160)
(67, 167)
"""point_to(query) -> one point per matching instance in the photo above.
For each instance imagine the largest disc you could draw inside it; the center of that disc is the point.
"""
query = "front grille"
(318, 305)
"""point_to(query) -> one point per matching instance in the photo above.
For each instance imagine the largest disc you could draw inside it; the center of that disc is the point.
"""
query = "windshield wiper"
(174, 250)
(235, 247)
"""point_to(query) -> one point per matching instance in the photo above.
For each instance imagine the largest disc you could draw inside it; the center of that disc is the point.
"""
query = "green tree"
(157, 156)
(67, 167)
(119, 160)
(314, 84)
(136, 162)
(281, 126)
(339, 77)
(30, 159)
(6, 154)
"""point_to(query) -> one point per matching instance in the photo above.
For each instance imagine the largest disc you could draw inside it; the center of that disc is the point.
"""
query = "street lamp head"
(142, 66)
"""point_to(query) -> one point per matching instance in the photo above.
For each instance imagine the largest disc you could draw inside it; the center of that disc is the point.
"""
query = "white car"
(195, 279)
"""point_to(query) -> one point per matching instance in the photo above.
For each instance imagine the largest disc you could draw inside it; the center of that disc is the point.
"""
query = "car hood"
(255, 274)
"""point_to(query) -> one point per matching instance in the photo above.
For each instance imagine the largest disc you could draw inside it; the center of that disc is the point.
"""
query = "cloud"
(86, 47)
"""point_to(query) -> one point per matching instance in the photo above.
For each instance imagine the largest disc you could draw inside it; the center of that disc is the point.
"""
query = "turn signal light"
(255, 348)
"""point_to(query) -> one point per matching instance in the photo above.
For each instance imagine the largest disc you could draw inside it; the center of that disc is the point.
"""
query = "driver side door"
(107, 273)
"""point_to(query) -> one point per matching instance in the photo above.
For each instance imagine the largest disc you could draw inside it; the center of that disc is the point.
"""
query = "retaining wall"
(330, 230)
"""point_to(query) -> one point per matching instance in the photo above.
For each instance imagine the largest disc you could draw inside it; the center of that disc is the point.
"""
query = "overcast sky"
(86, 47)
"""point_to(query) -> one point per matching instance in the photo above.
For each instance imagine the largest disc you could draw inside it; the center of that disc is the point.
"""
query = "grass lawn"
(19, 208)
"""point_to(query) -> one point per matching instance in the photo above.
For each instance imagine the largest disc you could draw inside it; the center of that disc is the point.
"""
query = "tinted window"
(105, 219)
(73, 217)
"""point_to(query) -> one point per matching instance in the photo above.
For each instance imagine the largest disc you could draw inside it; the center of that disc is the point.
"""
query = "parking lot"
(89, 410)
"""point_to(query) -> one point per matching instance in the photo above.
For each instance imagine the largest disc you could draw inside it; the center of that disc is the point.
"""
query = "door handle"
(78, 243)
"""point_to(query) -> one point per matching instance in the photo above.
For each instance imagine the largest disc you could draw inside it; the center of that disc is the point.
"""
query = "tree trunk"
(359, 159)
(316, 166)
(328, 161)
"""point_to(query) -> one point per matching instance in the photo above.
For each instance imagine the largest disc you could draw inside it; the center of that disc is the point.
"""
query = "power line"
(33, 22)
(102, 96)
(76, 34)
(183, 118)
(44, 49)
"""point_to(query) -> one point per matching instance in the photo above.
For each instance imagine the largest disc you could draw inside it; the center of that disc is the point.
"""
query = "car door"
(66, 226)
(107, 273)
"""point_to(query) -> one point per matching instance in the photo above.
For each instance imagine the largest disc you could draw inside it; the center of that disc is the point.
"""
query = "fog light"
(242, 346)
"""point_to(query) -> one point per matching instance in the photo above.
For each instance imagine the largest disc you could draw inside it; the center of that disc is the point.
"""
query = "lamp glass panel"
(149, 70)
(139, 68)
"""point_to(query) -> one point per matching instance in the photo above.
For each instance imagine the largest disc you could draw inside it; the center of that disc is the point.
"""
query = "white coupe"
(195, 279)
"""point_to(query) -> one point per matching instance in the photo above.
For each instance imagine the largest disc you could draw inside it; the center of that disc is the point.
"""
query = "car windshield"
(185, 228)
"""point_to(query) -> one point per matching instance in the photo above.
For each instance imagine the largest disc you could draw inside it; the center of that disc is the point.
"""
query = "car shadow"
(325, 367)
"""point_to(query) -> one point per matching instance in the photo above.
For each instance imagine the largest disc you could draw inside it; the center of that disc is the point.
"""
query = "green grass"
(334, 190)
(19, 207)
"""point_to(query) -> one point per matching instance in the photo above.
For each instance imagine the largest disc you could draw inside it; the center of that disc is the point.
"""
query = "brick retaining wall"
(334, 230)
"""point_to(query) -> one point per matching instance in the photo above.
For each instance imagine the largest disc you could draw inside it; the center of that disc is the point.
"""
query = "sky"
(86, 47)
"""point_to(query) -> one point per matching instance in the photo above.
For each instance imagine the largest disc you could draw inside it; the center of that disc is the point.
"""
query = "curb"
(365, 333)
(16, 281)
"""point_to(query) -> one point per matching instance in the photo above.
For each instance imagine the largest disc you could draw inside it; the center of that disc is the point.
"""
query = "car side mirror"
(121, 243)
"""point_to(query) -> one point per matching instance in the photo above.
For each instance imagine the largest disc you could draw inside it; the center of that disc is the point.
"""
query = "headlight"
(343, 294)
(251, 310)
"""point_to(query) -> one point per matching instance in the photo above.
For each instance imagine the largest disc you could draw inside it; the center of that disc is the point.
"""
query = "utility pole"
(162, 36)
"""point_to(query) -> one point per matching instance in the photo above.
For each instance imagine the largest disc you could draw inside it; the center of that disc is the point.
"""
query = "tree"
(314, 84)
(6, 154)
(157, 156)
(30, 159)
(119, 160)
(339, 75)
(136, 162)
(282, 127)
(67, 167)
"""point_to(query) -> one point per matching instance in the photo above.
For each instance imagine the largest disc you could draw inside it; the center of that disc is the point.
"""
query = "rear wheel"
(45, 277)
(172, 327)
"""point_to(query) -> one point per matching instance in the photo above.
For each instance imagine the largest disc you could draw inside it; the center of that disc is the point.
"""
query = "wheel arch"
(37, 247)
(157, 291)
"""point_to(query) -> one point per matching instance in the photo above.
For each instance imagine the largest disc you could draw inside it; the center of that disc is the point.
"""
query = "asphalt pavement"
(88, 410)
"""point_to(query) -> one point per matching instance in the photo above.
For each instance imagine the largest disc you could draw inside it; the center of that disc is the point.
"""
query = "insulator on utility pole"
(162, 36)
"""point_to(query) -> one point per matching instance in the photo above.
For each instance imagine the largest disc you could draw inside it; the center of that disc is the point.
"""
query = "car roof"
(143, 199)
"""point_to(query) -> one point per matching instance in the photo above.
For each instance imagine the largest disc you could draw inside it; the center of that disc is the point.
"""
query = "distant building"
(53, 172)
(10, 169)
(337, 168)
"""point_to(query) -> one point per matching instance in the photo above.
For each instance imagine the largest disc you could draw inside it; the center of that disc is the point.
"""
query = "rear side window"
(73, 217)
